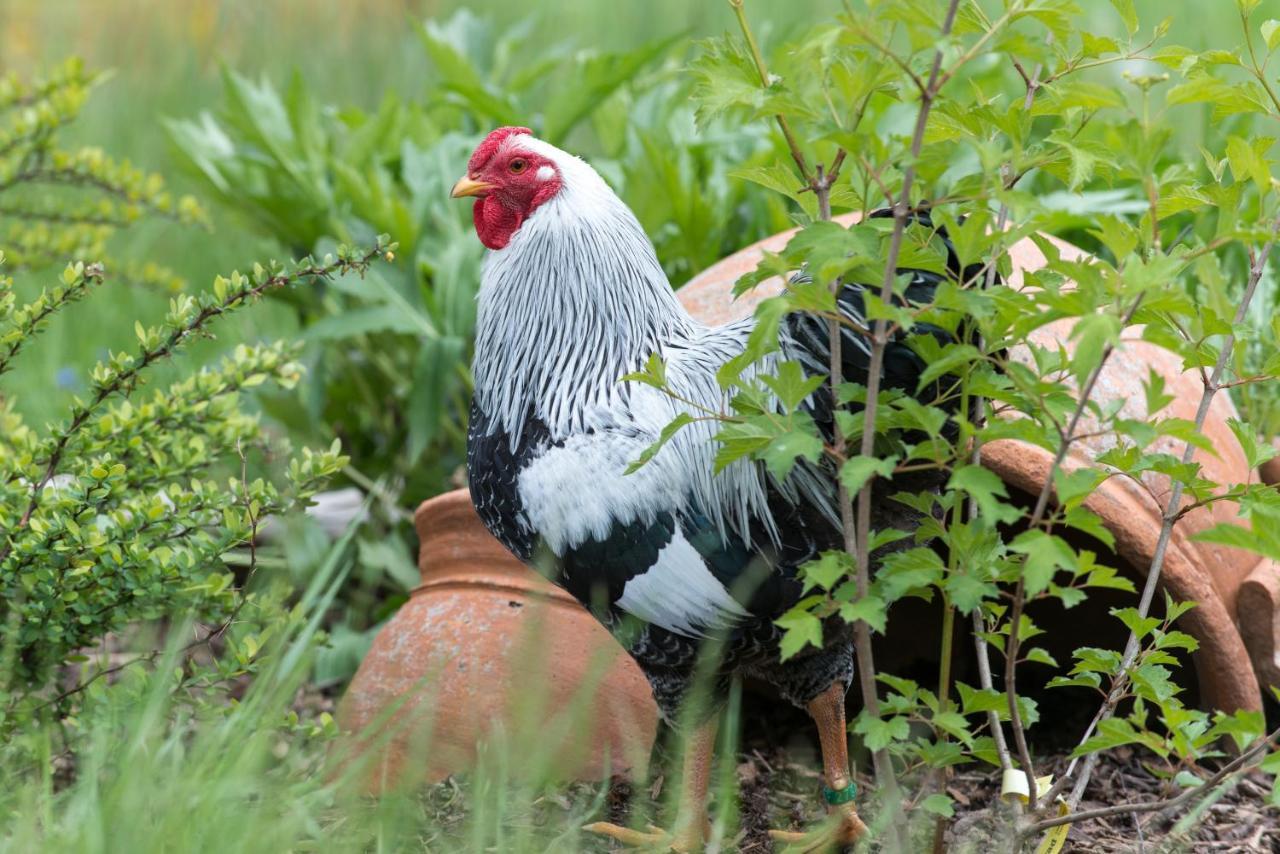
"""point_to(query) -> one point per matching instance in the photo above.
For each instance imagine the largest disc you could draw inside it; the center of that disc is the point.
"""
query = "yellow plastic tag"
(1055, 837)
(1014, 785)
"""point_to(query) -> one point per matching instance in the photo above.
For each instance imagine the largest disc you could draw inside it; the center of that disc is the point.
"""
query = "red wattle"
(495, 222)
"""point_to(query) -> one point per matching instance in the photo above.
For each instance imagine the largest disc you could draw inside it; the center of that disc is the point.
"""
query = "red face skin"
(515, 191)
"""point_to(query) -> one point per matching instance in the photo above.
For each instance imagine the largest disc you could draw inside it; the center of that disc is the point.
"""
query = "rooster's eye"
(517, 166)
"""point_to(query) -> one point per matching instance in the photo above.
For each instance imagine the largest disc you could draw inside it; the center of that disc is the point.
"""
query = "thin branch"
(1037, 516)
(758, 59)
(124, 379)
(981, 647)
(1237, 764)
(879, 340)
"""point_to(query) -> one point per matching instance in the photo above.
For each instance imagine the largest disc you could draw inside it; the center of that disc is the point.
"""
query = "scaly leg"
(827, 711)
(691, 828)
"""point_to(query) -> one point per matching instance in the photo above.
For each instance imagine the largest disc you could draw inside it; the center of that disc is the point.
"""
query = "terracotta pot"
(486, 647)
(1238, 596)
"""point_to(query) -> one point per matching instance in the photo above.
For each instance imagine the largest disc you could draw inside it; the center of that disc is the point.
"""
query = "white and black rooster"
(572, 298)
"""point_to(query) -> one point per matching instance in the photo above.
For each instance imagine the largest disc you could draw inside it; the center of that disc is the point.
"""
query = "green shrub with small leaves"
(126, 509)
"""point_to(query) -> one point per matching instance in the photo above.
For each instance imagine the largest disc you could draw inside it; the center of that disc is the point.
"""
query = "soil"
(777, 787)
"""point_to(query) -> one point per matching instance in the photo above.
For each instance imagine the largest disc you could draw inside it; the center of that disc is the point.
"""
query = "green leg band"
(835, 797)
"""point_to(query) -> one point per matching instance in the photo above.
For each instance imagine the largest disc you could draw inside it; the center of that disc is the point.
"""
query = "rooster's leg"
(827, 711)
(691, 828)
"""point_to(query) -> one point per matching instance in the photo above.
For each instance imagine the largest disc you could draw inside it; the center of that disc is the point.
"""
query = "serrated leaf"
(986, 488)
(800, 629)
(869, 609)
(830, 567)
(791, 385)
(780, 179)
(856, 471)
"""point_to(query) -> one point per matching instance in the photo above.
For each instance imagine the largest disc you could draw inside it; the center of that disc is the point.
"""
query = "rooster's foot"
(652, 838)
(844, 827)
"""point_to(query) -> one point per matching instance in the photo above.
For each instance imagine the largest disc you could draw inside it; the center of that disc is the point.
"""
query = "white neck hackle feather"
(575, 300)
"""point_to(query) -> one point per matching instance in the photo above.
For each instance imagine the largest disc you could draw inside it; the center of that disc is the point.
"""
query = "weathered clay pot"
(483, 646)
(1237, 618)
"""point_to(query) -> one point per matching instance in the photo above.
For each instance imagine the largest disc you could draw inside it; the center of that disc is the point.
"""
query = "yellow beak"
(469, 187)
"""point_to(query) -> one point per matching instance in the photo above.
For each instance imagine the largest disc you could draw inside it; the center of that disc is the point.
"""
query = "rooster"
(669, 557)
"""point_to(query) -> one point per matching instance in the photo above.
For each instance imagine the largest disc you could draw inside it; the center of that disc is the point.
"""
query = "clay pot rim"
(494, 583)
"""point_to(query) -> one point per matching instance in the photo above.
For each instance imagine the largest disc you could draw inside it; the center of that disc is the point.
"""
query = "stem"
(124, 380)
(985, 681)
(944, 703)
(758, 59)
(879, 339)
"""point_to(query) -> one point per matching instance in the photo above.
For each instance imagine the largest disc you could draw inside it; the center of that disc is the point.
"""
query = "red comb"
(486, 149)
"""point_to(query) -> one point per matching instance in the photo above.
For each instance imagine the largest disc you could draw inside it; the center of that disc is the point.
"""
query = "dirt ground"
(778, 787)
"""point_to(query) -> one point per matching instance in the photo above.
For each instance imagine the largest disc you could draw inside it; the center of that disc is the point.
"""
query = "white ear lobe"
(545, 173)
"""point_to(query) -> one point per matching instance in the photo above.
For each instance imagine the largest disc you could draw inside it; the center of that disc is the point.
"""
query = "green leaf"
(986, 488)
(1247, 163)
(780, 179)
(791, 385)
(681, 420)
(1112, 732)
(1270, 30)
(801, 441)
(953, 356)
(800, 629)
(830, 567)
(878, 734)
(905, 571)
(1128, 14)
(870, 610)
(938, 804)
(1262, 539)
(1092, 333)
(654, 373)
(1256, 453)
(1044, 555)
(975, 701)
(857, 471)
(967, 592)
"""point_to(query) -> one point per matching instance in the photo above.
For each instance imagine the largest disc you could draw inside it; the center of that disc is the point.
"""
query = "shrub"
(125, 510)
(997, 128)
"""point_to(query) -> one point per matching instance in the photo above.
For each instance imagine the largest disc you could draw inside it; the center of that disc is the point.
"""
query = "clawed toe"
(650, 839)
(843, 828)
